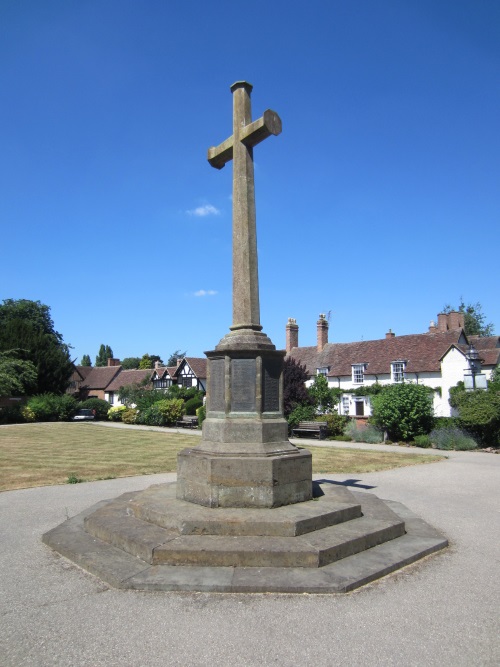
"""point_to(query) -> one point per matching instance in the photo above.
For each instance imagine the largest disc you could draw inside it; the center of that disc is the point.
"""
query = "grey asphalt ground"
(443, 610)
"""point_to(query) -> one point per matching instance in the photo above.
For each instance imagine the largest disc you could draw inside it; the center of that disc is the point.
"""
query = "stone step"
(159, 505)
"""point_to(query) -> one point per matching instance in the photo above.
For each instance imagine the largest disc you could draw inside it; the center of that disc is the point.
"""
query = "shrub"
(299, 414)
(336, 423)
(403, 410)
(129, 416)
(101, 407)
(162, 413)
(115, 413)
(452, 438)
(192, 404)
(201, 413)
(422, 441)
(478, 414)
(49, 408)
(12, 414)
(365, 433)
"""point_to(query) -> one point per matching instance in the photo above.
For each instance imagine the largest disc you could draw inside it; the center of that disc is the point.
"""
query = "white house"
(437, 359)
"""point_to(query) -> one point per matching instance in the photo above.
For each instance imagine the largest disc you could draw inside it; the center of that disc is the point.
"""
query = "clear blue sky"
(379, 202)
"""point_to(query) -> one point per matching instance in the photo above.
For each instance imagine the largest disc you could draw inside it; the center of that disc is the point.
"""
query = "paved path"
(442, 611)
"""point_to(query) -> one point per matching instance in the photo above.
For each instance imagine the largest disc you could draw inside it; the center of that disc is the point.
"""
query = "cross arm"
(219, 155)
(269, 123)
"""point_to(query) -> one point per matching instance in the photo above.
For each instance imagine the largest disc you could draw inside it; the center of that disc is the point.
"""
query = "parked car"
(83, 415)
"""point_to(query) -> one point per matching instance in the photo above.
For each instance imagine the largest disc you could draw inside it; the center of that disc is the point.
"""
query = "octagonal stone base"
(215, 480)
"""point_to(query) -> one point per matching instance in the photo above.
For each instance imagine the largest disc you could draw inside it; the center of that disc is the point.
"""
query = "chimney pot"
(292, 334)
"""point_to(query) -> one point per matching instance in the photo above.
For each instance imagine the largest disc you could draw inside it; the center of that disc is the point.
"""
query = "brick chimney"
(455, 320)
(390, 334)
(442, 322)
(322, 330)
(292, 334)
(157, 365)
(113, 362)
(432, 327)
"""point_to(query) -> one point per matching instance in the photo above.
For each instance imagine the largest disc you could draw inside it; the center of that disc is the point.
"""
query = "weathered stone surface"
(354, 543)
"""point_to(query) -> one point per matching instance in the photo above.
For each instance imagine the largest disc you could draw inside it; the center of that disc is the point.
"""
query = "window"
(322, 371)
(111, 397)
(185, 382)
(161, 384)
(358, 373)
(345, 405)
(398, 371)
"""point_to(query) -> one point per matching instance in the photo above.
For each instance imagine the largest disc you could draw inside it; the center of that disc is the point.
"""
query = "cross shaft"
(239, 149)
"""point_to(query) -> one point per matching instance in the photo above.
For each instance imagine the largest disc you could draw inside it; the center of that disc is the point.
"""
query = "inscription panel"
(216, 399)
(271, 373)
(243, 380)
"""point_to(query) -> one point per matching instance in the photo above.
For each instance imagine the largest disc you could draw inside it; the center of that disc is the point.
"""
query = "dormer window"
(358, 373)
(398, 371)
(322, 371)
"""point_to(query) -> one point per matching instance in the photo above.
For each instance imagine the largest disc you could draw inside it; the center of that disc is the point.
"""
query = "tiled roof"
(129, 377)
(165, 372)
(198, 366)
(422, 352)
(100, 376)
(488, 348)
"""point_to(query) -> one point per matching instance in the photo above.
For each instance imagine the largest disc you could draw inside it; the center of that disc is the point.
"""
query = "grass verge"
(58, 453)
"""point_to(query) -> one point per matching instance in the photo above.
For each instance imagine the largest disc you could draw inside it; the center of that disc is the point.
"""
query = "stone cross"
(239, 148)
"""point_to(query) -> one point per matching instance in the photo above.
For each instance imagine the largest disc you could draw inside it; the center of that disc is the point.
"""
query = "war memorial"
(245, 514)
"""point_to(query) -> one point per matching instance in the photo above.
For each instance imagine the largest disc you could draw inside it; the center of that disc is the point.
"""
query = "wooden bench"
(187, 422)
(311, 429)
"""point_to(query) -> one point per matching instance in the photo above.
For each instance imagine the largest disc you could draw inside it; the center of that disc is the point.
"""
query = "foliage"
(363, 433)
(201, 413)
(145, 362)
(27, 327)
(192, 404)
(299, 414)
(17, 377)
(105, 353)
(100, 406)
(115, 413)
(12, 414)
(131, 363)
(177, 354)
(365, 390)
(321, 395)
(86, 361)
(140, 395)
(294, 389)
(49, 408)
(129, 416)
(74, 479)
(336, 423)
(422, 441)
(452, 438)
(478, 413)
(162, 413)
(474, 319)
(403, 410)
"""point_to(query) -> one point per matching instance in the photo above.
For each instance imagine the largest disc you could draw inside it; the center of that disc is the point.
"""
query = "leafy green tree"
(478, 412)
(177, 354)
(294, 388)
(86, 360)
(105, 353)
(323, 398)
(149, 360)
(17, 377)
(27, 327)
(131, 363)
(474, 319)
(403, 410)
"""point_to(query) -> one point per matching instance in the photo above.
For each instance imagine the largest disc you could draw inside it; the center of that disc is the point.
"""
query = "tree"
(177, 354)
(324, 399)
(474, 319)
(105, 353)
(294, 388)
(86, 360)
(17, 377)
(131, 363)
(478, 412)
(27, 327)
(403, 410)
(149, 360)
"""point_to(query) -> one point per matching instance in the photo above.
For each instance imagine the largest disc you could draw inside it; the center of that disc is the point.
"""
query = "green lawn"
(50, 453)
